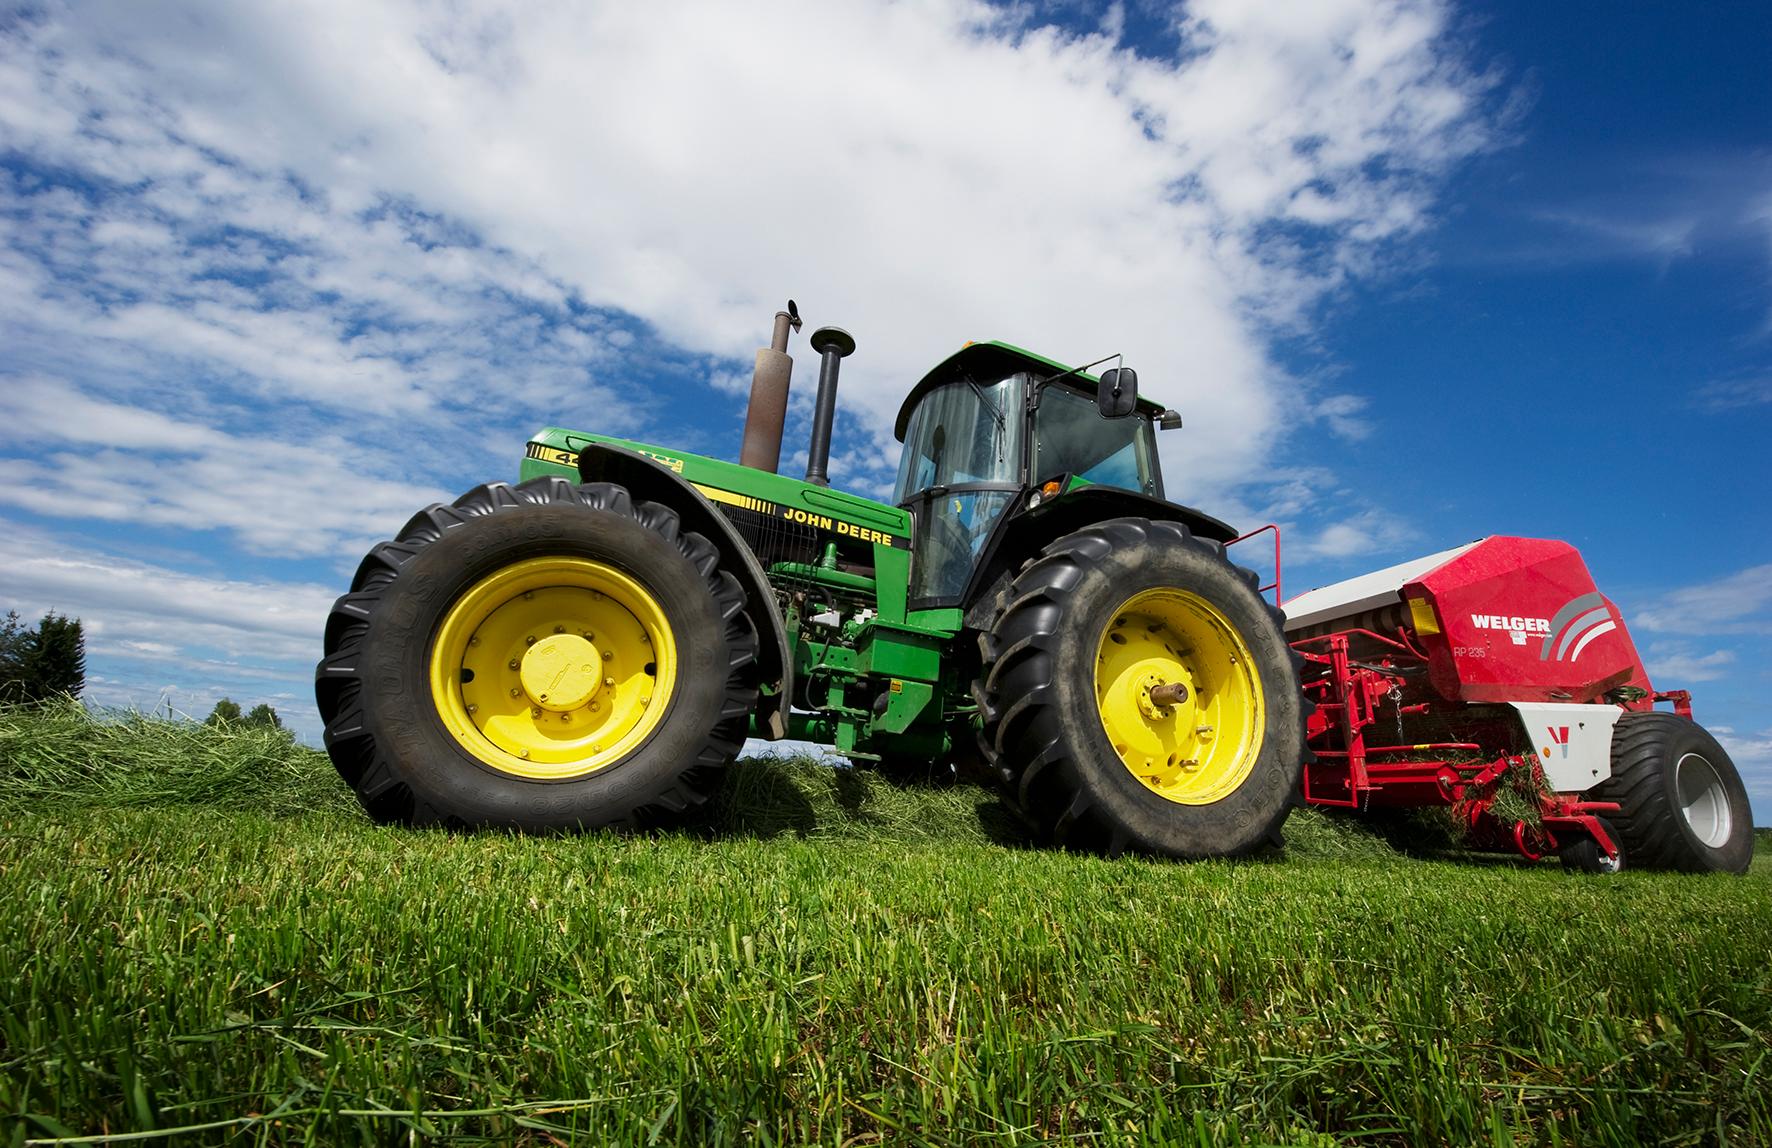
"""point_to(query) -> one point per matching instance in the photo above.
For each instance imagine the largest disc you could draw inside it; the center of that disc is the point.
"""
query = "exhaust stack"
(833, 344)
(768, 410)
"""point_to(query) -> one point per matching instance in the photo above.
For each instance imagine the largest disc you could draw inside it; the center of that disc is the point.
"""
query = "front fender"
(649, 481)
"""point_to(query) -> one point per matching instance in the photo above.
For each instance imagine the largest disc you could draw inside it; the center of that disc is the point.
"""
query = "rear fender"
(648, 481)
(1023, 532)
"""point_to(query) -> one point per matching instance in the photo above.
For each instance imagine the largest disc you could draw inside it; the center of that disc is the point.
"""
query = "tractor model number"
(1470, 651)
(675, 464)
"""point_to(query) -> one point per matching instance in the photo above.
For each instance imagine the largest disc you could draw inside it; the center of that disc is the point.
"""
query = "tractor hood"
(993, 359)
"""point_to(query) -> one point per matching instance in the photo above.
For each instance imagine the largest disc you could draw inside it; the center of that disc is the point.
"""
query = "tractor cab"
(990, 424)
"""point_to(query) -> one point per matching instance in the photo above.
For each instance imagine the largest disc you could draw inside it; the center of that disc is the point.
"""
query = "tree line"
(227, 712)
(43, 662)
(47, 661)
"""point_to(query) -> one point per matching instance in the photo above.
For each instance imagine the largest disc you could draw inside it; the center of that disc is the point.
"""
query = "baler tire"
(410, 748)
(1649, 750)
(1584, 855)
(1041, 707)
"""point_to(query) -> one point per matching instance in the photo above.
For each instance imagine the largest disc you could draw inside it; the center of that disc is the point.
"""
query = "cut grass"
(223, 944)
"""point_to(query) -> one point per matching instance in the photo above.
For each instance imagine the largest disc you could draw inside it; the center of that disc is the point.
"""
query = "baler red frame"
(1347, 771)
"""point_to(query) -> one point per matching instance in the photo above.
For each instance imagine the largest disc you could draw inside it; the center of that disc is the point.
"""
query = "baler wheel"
(538, 657)
(1138, 693)
(1683, 805)
(1584, 855)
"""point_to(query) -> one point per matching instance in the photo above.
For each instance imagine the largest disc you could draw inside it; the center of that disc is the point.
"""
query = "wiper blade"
(1002, 422)
(1001, 437)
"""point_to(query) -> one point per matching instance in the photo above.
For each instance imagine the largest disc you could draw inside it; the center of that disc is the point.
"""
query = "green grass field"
(203, 941)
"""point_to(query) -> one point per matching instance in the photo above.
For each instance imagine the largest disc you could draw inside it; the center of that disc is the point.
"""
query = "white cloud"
(138, 466)
(157, 629)
(954, 172)
(1342, 415)
(1759, 216)
(1732, 394)
(1746, 749)
(1366, 536)
(1660, 239)
(1752, 755)
(157, 608)
(1679, 664)
(1738, 603)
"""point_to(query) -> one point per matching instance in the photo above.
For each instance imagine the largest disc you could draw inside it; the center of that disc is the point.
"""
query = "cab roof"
(992, 359)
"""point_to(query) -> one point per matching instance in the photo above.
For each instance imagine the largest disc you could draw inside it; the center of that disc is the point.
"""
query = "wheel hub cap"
(561, 672)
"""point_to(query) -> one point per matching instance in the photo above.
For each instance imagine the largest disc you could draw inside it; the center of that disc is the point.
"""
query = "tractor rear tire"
(1091, 759)
(1682, 804)
(540, 657)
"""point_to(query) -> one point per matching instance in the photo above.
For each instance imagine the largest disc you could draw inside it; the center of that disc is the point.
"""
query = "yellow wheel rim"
(1197, 737)
(553, 668)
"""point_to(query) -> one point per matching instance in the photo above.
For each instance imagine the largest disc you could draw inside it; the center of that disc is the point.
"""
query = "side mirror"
(1117, 394)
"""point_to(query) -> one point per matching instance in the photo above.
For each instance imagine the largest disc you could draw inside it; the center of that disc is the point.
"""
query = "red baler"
(1498, 667)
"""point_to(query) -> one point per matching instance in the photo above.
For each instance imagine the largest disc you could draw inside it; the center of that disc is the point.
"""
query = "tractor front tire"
(547, 656)
(1681, 803)
(1138, 693)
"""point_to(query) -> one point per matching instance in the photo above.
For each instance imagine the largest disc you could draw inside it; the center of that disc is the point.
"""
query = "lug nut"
(559, 629)
(535, 711)
(515, 692)
(609, 683)
(514, 664)
(607, 655)
(529, 640)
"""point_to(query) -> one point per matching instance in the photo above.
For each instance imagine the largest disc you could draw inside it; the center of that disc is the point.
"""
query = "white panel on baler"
(1573, 742)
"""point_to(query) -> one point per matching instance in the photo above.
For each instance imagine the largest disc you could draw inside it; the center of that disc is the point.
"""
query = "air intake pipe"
(768, 410)
(833, 344)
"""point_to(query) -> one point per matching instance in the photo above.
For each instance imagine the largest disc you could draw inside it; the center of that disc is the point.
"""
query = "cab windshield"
(1071, 437)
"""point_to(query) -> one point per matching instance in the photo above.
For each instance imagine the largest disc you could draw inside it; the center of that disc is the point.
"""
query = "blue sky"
(1416, 272)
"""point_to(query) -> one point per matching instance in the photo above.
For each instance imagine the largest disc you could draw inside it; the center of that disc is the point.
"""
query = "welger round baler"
(1496, 679)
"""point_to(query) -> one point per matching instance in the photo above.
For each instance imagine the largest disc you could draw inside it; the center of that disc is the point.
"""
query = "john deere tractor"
(592, 646)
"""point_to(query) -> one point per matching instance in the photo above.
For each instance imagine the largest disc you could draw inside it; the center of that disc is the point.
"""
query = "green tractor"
(592, 646)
